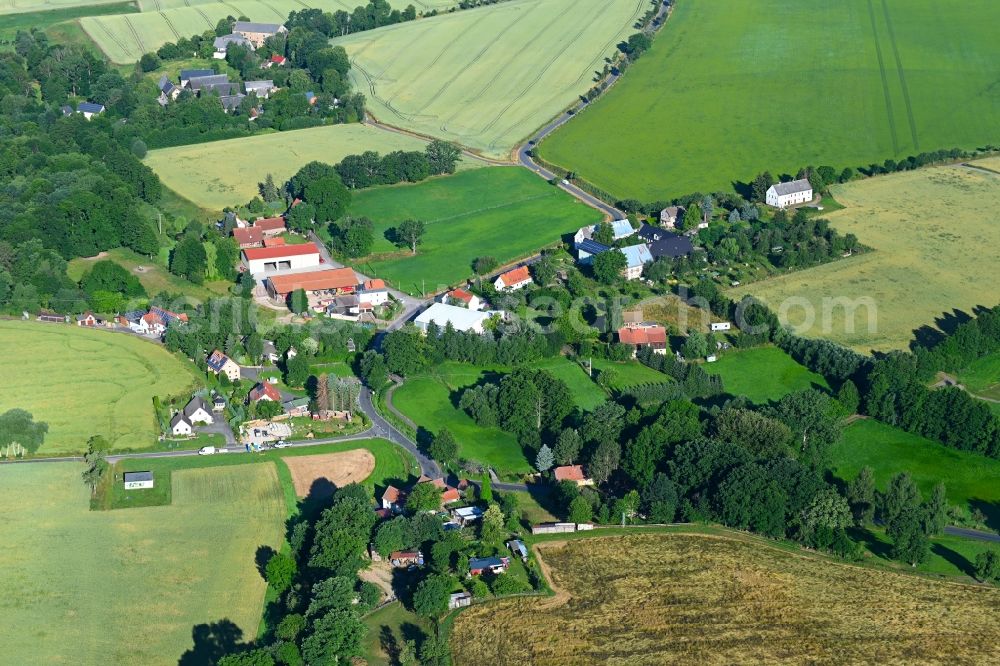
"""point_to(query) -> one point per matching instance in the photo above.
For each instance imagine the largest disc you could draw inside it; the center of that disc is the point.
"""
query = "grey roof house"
(662, 243)
(188, 74)
(261, 88)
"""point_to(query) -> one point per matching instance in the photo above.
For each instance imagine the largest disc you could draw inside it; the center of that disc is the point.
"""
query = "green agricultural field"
(84, 382)
(730, 89)
(972, 481)
(763, 374)
(125, 38)
(430, 400)
(936, 244)
(45, 18)
(630, 373)
(287, 152)
(490, 76)
(130, 586)
(8, 7)
(504, 212)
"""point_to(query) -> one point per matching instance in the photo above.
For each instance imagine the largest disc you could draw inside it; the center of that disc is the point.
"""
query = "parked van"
(206, 450)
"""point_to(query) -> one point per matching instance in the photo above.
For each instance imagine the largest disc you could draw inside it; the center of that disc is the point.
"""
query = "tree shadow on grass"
(990, 510)
(869, 540)
(262, 557)
(958, 560)
(212, 641)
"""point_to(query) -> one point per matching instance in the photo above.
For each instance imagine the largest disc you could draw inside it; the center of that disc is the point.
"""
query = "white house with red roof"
(264, 260)
(374, 292)
(644, 335)
(513, 280)
(265, 391)
(461, 298)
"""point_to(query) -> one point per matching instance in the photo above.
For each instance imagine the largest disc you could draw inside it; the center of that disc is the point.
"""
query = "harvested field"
(699, 599)
(937, 244)
(338, 469)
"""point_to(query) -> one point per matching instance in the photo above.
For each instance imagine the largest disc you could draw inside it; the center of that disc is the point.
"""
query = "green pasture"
(87, 382)
(489, 76)
(972, 481)
(982, 377)
(586, 393)
(129, 587)
(43, 19)
(230, 170)
(125, 38)
(730, 89)
(936, 247)
(430, 400)
(504, 212)
(11, 7)
(628, 373)
(763, 374)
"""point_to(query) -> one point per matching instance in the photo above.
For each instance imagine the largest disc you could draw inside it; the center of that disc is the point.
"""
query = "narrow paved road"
(972, 534)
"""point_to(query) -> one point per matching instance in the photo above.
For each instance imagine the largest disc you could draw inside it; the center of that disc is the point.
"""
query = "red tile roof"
(265, 389)
(278, 59)
(253, 253)
(569, 473)
(270, 224)
(392, 494)
(336, 278)
(643, 335)
(376, 283)
(274, 242)
(460, 295)
(248, 236)
(516, 276)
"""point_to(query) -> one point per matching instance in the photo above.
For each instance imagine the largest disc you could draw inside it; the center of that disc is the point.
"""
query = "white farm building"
(783, 195)
(263, 260)
(461, 319)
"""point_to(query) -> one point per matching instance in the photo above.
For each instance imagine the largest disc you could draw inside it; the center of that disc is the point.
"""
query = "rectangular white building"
(783, 195)
(461, 319)
(264, 260)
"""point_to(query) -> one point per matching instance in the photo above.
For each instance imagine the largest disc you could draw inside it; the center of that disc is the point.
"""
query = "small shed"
(138, 480)
(459, 600)
(518, 548)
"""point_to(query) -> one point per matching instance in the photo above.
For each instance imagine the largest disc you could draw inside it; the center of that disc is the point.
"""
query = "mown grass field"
(431, 400)
(732, 89)
(128, 587)
(43, 19)
(217, 186)
(154, 277)
(83, 383)
(504, 212)
(763, 374)
(937, 247)
(686, 598)
(982, 377)
(125, 38)
(586, 393)
(490, 76)
(972, 481)
(629, 373)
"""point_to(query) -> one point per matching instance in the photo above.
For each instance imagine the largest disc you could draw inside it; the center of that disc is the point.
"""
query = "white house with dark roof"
(221, 44)
(261, 88)
(180, 426)
(783, 195)
(198, 411)
(137, 480)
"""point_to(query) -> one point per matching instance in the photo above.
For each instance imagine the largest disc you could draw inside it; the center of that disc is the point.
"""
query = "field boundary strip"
(902, 76)
(885, 80)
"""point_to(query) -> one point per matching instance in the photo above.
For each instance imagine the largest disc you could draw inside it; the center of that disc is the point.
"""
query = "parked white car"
(206, 450)
(281, 444)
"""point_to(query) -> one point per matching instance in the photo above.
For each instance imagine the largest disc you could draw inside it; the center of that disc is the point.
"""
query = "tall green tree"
(95, 461)
(861, 495)
(442, 156)
(609, 266)
(410, 233)
(568, 447)
(430, 599)
(909, 536)
(443, 448)
(544, 459)
(329, 198)
(20, 433)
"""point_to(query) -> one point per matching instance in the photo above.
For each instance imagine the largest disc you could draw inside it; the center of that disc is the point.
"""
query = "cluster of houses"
(283, 268)
(655, 242)
(207, 82)
(197, 412)
(151, 323)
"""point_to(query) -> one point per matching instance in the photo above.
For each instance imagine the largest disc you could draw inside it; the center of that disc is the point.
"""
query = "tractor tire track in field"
(112, 36)
(902, 77)
(280, 16)
(489, 84)
(885, 80)
(135, 35)
(208, 21)
(538, 77)
(372, 80)
(597, 59)
(170, 25)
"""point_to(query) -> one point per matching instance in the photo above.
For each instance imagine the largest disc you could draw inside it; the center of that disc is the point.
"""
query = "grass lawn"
(763, 374)
(86, 382)
(431, 401)
(935, 242)
(388, 629)
(972, 481)
(949, 556)
(288, 151)
(532, 510)
(629, 373)
(586, 393)
(393, 465)
(153, 276)
(646, 599)
(982, 377)
(488, 77)
(703, 107)
(128, 587)
(504, 212)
